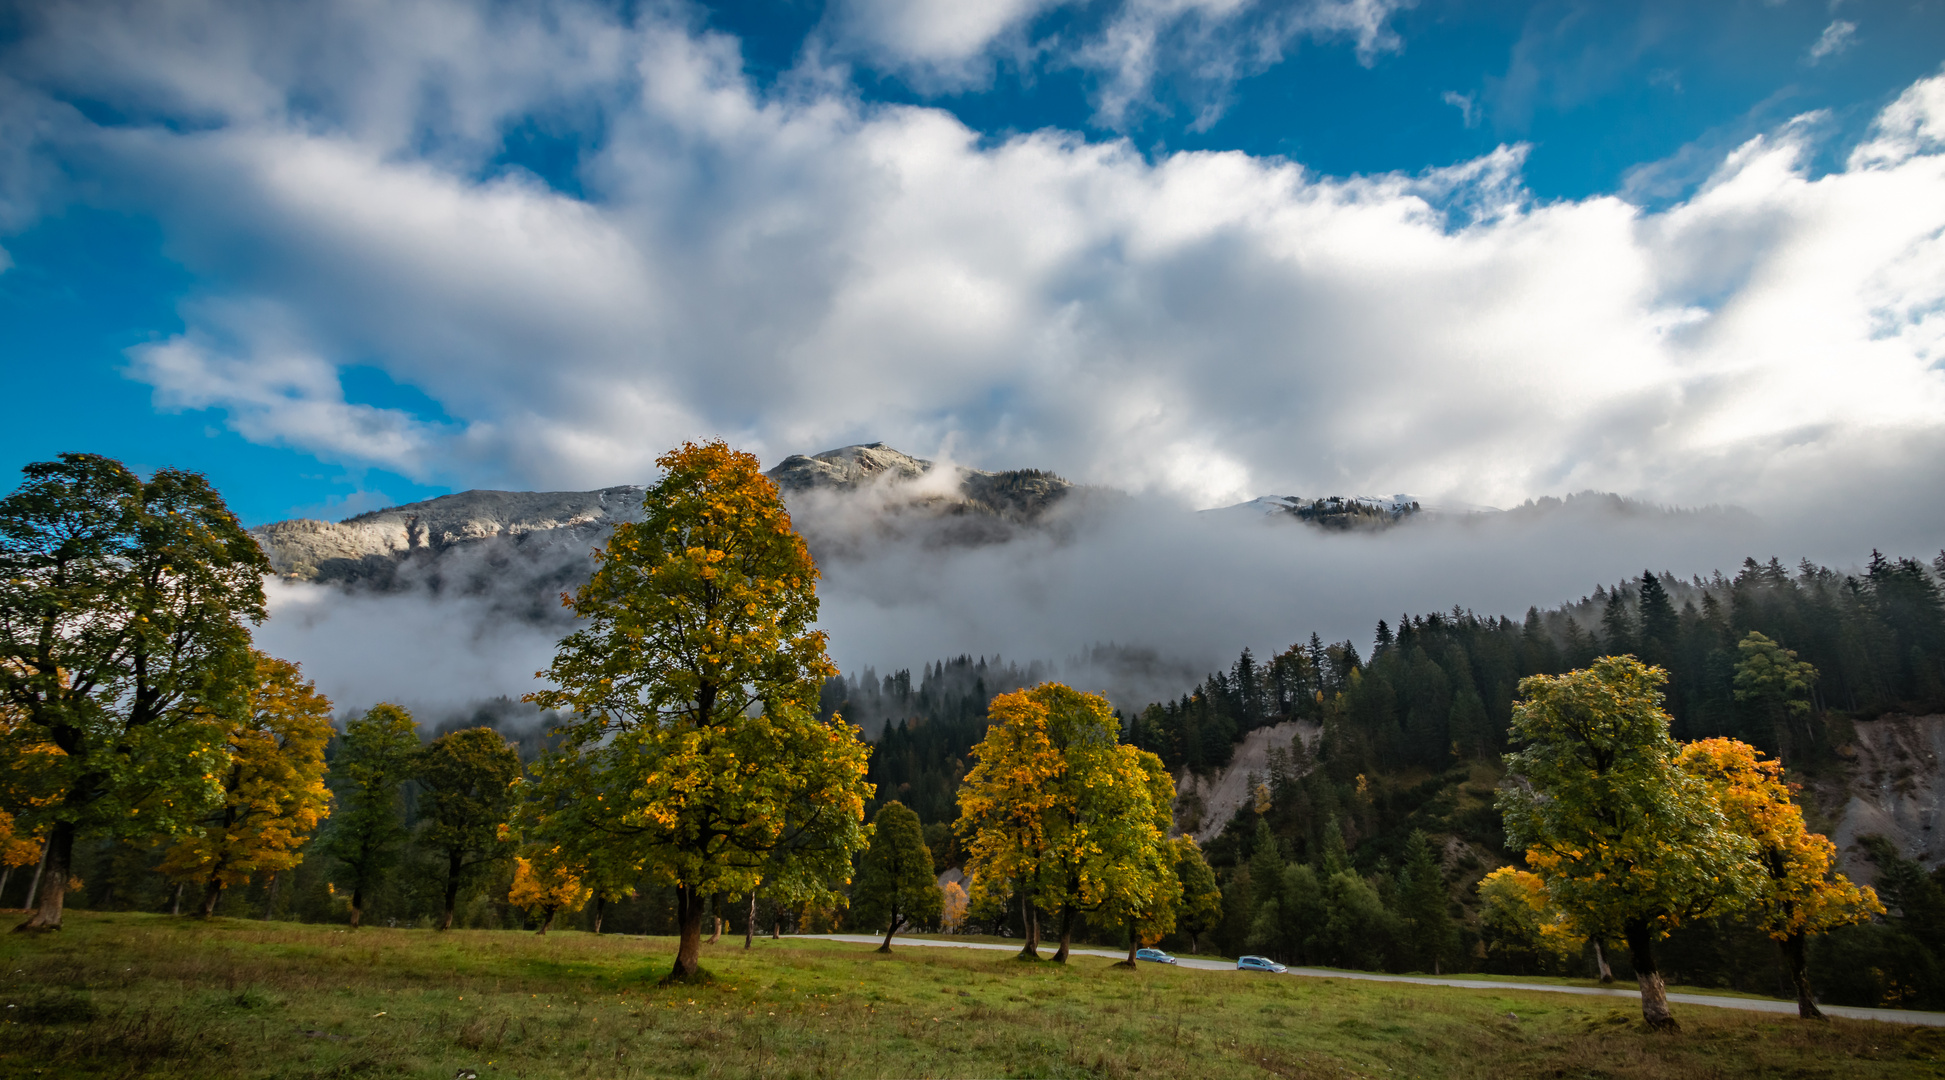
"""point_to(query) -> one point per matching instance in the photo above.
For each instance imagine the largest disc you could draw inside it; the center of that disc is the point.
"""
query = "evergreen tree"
(1423, 904)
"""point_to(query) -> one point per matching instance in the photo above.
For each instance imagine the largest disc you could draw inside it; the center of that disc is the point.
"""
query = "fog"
(1176, 592)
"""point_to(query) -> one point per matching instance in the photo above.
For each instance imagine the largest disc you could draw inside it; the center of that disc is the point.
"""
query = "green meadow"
(118, 995)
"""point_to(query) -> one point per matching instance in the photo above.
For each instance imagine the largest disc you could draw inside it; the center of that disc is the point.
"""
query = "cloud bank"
(796, 269)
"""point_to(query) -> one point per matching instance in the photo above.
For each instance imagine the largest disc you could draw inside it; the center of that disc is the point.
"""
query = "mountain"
(473, 540)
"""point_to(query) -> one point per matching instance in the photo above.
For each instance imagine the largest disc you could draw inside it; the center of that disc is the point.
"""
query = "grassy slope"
(178, 998)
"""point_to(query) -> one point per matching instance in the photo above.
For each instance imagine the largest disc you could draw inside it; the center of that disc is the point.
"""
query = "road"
(1765, 1005)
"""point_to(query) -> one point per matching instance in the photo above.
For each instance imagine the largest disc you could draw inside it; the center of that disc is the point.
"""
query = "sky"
(344, 256)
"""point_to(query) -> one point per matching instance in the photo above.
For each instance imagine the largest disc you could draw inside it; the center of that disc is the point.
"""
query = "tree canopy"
(1629, 845)
(470, 780)
(376, 755)
(696, 751)
(273, 790)
(895, 887)
(124, 644)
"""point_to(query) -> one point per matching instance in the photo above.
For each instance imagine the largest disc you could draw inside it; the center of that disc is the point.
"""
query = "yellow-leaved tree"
(547, 885)
(1798, 892)
(1059, 809)
(273, 790)
(694, 752)
(1629, 844)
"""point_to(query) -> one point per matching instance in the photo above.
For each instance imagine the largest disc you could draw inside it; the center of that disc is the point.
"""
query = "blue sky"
(342, 258)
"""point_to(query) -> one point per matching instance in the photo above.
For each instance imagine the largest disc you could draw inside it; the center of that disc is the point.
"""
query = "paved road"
(1766, 1005)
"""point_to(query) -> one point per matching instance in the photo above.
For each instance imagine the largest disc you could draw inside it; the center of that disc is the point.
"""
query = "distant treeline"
(1439, 688)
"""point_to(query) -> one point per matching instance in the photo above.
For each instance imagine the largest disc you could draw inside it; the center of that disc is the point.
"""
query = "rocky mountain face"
(532, 545)
(1014, 495)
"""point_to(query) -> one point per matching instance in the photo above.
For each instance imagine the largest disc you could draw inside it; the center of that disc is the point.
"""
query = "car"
(1154, 955)
(1259, 963)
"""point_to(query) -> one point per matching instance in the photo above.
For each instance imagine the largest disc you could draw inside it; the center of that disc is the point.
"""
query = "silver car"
(1259, 963)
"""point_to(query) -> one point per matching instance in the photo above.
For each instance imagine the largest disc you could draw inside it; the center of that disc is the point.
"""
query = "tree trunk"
(889, 931)
(40, 868)
(600, 910)
(270, 899)
(716, 917)
(1029, 929)
(545, 923)
(1066, 933)
(749, 924)
(175, 905)
(357, 905)
(1793, 959)
(1600, 964)
(776, 928)
(4, 875)
(1193, 949)
(453, 866)
(212, 895)
(1134, 943)
(52, 882)
(688, 916)
(1654, 994)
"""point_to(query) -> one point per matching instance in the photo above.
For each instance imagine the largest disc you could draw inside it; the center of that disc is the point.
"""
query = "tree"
(1515, 915)
(1423, 903)
(273, 790)
(1627, 843)
(546, 885)
(695, 750)
(469, 778)
(123, 645)
(1060, 809)
(1003, 807)
(1201, 909)
(952, 915)
(376, 755)
(1773, 682)
(1798, 893)
(895, 886)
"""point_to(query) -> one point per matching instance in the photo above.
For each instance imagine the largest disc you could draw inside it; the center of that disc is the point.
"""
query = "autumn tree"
(1515, 915)
(1201, 907)
(468, 805)
(1061, 810)
(895, 887)
(1798, 892)
(1628, 844)
(375, 757)
(695, 750)
(952, 914)
(1004, 805)
(273, 789)
(124, 647)
(547, 885)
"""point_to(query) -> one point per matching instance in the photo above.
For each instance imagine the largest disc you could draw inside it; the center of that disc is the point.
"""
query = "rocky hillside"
(484, 541)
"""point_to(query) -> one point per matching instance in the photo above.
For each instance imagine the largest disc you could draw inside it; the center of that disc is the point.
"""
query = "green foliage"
(376, 755)
(1423, 906)
(470, 780)
(895, 886)
(696, 752)
(124, 652)
(1618, 831)
(1629, 844)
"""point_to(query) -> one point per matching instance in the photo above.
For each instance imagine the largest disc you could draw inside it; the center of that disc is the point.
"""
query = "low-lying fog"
(1181, 592)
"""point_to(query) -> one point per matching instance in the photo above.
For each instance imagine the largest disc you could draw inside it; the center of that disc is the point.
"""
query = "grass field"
(144, 995)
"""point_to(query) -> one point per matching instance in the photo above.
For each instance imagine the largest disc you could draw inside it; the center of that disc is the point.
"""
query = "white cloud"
(1836, 37)
(802, 270)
